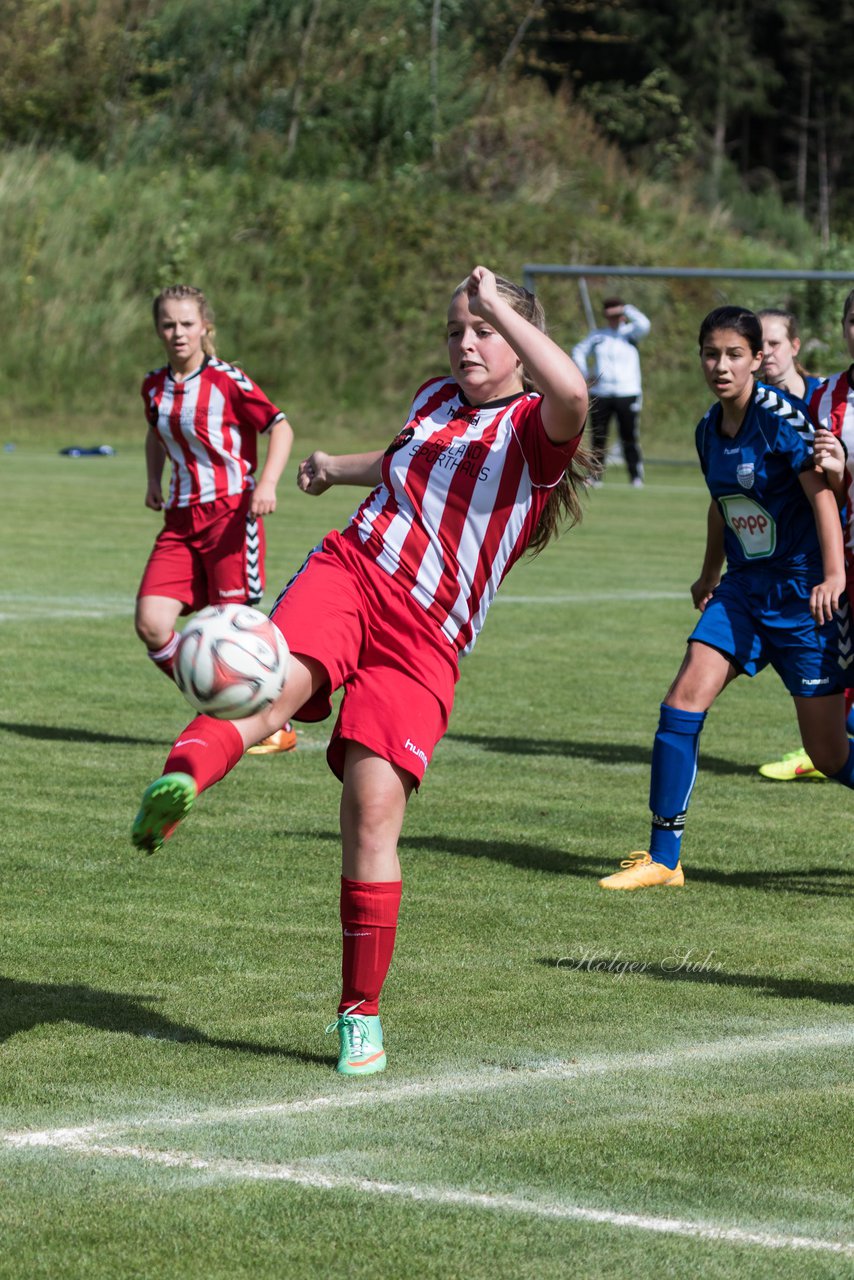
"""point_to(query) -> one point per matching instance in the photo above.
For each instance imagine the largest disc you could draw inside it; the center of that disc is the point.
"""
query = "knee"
(828, 759)
(368, 825)
(150, 629)
(147, 634)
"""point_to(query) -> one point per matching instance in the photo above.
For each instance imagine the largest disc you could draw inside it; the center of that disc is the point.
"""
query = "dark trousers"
(625, 409)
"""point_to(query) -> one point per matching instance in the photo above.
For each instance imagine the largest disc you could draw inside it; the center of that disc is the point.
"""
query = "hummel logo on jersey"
(843, 624)
(466, 413)
(728, 452)
(229, 595)
(770, 399)
(237, 375)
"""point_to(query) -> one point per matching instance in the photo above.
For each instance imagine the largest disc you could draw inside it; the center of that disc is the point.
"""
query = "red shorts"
(210, 553)
(397, 669)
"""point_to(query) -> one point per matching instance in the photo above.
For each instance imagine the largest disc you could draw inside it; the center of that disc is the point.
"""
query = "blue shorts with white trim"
(760, 619)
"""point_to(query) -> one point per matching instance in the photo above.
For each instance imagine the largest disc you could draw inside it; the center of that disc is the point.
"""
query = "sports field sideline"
(656, 1085)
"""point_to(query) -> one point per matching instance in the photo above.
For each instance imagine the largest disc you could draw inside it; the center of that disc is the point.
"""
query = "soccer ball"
(231, 661)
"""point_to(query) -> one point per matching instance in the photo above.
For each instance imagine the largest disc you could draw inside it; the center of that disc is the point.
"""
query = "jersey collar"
(491, 404)
(190, 376)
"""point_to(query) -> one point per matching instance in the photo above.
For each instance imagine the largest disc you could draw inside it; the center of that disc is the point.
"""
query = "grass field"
(580, 1084)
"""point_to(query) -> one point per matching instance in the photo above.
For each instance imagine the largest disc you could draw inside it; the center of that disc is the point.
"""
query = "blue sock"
(846, 773)
(674, 769)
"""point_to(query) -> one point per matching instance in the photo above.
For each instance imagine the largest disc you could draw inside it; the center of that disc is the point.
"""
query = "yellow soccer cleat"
(794, 765)
(640, 872)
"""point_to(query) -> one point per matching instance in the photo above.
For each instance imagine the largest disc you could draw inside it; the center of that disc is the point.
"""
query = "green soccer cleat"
(164, 804)
(360, 1037)
(794, 765)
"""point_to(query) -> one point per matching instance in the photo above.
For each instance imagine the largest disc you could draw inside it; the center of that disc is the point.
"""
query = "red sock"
(369, 920)
(207, 750)
(165, 658)
(849, 703)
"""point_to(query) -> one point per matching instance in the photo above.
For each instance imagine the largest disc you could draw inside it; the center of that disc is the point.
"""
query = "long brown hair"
(564, 501)
(180, 293)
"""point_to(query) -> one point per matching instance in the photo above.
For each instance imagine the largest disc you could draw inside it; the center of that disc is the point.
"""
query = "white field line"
(29, 608)
(15, 607)
(595, 597)
(796, 1040)
(89, 1141)
(457, 1197)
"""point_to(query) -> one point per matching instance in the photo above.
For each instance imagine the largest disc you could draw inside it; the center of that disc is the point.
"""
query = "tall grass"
(331, 293)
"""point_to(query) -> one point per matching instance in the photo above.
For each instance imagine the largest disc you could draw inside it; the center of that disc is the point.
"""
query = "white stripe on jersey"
(433, 568)
(218, 413)
(473, 535)
(833, 406)
(181, 482)
(459, 501)
(207, 485)
(230, 458)
(506, 548)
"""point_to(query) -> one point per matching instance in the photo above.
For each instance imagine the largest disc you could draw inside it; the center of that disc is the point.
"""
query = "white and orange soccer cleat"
(282, 740)
(640, 872)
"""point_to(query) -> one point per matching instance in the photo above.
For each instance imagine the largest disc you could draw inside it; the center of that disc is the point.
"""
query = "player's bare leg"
(823, 733)
(373, 804)
(154, 620)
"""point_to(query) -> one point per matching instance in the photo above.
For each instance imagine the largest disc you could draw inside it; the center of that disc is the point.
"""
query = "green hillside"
(332, 292)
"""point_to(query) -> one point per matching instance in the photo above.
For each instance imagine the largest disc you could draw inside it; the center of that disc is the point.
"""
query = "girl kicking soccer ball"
(483, 470)
(782, 600)
(206, 416)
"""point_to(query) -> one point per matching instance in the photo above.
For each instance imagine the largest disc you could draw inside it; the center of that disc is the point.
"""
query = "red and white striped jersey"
(832, 407)
(209, 425)
(462, 493)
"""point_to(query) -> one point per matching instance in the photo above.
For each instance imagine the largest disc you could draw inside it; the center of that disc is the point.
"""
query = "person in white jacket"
(608, 358)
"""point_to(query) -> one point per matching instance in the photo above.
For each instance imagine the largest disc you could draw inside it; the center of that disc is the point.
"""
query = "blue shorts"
(759, 619)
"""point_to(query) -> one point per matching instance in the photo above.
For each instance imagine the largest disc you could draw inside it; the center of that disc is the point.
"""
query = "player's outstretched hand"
(312, 474)
(824, 598)
(702, 591)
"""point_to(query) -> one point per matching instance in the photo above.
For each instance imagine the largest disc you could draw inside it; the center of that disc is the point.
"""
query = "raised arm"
(320, 471)
(552, 371)
(637, 325)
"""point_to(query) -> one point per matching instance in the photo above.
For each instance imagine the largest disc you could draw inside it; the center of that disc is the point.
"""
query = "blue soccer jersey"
(811, 383)
(753, 477)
